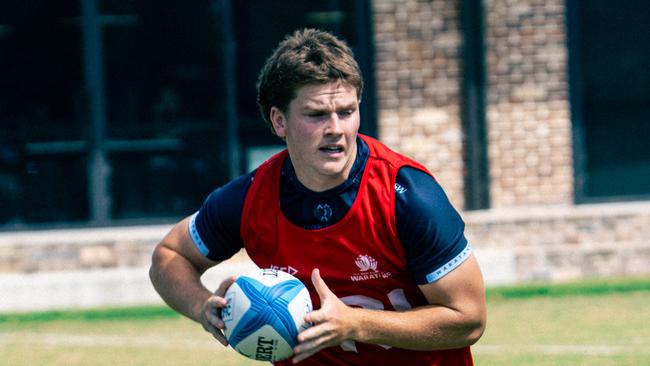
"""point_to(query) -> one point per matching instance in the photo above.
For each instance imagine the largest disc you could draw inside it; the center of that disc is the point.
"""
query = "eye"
(346, 112)
(316, 114)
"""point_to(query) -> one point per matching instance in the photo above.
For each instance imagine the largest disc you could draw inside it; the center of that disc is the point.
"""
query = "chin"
(330, 171)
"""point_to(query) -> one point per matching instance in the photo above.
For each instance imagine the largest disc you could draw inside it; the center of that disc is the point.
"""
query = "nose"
(333, 125)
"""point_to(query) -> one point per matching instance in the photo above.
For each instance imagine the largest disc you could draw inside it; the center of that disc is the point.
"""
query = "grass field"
(588, 323)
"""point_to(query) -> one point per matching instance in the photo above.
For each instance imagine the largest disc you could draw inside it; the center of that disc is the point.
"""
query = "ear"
(279, 121)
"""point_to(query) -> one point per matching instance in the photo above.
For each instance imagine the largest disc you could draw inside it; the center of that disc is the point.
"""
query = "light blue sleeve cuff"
(451, 265)
(194, 234)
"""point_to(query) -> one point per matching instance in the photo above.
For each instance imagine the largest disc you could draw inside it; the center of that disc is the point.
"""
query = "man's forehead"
(326, 94)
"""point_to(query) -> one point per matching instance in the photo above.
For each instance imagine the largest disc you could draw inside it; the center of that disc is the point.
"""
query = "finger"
(303, 352)
(303, 356)
(312, 333)
(320, 285)
(212, 312)
(315, 317)
(218, 335)
(216, 332)
(212, 322)
(308, 349)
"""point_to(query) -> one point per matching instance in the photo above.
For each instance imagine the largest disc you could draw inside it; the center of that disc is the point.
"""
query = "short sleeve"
(430, 229)
(215, 227)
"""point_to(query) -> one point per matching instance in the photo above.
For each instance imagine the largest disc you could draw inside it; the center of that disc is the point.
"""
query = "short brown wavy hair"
(308, 56)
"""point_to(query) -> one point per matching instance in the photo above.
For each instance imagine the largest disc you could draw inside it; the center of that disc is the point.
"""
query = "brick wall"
(78, 250)
(419, 66)
(529, 127)
(417, 63)
(544, 243)
(559, 243)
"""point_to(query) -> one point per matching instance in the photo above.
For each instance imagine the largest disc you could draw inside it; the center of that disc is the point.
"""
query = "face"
(320, 127)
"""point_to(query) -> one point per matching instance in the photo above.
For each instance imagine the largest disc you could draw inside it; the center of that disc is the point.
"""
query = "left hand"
(333, 323)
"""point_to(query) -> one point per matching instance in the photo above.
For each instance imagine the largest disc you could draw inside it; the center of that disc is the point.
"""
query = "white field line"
(182, 342)
(562, 349)
(112, 340)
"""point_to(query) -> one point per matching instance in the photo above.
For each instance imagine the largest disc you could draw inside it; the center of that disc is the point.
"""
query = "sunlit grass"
(585, 323)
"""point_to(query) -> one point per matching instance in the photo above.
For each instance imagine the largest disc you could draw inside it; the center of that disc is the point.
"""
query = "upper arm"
(212, 234)
(430, 229)
(178, 242)
(215, 229)
(439, 255)
(461, 290)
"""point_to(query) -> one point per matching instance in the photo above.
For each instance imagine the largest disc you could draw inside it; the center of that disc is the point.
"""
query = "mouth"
(331, 149)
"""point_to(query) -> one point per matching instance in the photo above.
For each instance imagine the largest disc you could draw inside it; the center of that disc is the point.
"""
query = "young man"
(369, 231)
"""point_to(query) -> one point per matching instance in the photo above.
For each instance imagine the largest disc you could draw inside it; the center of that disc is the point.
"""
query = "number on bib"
(397, 299)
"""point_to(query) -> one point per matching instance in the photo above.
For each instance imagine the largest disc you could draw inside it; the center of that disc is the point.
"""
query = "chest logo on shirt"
(323, 212)
(290, 270)
(367, 269)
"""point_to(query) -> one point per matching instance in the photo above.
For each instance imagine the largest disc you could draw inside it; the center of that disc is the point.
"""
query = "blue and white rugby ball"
(265, 312)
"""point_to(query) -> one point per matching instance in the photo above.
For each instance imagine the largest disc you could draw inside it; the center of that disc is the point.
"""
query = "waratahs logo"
(367, 269)
(323, 212)
(366, 263)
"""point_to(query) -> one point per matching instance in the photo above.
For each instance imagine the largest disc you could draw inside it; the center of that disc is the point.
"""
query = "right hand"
(210, 318)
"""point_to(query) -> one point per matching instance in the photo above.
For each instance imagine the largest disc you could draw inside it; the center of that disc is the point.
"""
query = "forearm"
(454, 319)
(178, 283)
(426, 328)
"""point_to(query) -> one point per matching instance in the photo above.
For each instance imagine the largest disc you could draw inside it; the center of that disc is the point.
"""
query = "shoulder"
(422, 209)
(419, 190)
(395, 160)
(233, 191)
(215, 227)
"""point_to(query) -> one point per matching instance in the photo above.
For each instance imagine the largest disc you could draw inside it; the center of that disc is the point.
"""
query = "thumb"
(225, 284)
(320, 285)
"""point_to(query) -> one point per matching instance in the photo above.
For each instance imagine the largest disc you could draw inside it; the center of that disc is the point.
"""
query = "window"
(129, 111)
(610, 98)
(43, 142)
(160, 91)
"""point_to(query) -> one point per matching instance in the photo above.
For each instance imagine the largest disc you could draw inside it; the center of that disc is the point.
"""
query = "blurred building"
(533, 115)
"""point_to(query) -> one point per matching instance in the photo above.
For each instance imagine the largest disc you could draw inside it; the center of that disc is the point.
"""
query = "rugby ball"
(265, 312)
